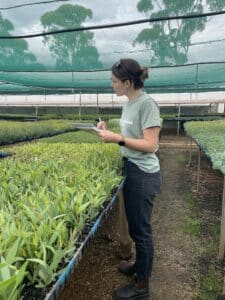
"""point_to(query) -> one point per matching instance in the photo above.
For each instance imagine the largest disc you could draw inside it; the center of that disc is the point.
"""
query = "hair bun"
(144, 73)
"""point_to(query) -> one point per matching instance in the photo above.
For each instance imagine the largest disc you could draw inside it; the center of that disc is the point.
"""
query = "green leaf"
(4, 271)
(8, 288)
(12, 252)
(38, 261)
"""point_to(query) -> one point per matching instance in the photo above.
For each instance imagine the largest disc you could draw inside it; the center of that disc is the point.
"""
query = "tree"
(72, 50)
(169, 41)
(14, 53)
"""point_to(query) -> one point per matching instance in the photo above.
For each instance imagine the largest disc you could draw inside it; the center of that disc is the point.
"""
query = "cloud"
(111, 43)
(26, 18)
(209, 42)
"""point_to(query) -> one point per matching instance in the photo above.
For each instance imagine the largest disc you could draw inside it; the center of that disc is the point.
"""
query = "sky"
(27, 20)
(119, 11)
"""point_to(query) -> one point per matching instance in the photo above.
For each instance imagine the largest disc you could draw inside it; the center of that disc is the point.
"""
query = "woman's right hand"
(102, 125)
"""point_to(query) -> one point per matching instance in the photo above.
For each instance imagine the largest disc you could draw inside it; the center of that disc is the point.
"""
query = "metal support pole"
(97, 108)
(74, 102)
(198, 168)
(112, 101)
(80, 106)
(222, 229)
(210, 107)
(190, 152)
(178, 121)
(45, 102)
(36, 112)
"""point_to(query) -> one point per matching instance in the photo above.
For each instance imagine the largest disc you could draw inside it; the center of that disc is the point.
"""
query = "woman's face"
(119, 86)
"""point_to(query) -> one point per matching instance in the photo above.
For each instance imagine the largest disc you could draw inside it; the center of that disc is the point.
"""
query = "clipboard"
(86, 126)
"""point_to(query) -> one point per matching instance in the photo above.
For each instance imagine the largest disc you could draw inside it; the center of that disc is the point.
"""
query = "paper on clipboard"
(86, 126)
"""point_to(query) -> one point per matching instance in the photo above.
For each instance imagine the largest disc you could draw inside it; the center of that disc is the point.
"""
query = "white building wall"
(110, 99)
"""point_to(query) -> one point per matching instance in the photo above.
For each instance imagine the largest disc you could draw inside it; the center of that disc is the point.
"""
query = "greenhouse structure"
(61, 185)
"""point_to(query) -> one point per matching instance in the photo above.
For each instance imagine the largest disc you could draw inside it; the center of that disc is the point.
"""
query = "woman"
(140, 127)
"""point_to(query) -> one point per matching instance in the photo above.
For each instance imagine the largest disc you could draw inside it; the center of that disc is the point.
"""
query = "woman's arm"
(148, 143)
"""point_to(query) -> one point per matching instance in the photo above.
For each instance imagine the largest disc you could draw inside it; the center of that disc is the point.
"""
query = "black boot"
(138, 289)
(127, 268)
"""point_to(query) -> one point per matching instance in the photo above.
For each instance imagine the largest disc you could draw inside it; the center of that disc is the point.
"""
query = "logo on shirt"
(125, 122)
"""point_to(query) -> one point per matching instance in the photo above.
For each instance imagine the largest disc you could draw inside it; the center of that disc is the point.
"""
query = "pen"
(100, 120)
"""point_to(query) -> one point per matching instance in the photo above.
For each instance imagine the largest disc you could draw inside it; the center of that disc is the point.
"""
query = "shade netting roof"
(54, 47)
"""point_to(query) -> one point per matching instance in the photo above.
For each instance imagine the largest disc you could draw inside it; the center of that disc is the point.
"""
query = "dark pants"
(140, 189)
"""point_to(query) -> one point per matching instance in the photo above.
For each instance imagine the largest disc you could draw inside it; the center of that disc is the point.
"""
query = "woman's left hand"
(108, 136)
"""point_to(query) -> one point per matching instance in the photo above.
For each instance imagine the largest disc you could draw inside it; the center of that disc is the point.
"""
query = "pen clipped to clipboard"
(86, 127)
(89, 126)
(100, 120)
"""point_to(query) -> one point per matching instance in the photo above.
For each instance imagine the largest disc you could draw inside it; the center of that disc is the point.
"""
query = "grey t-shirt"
(137, 115)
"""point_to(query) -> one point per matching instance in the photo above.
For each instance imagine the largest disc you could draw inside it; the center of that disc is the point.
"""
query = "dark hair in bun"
(129, 69)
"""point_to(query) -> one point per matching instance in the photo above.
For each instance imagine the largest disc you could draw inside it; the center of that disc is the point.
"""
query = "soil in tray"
(32, 293)
(178, 262)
